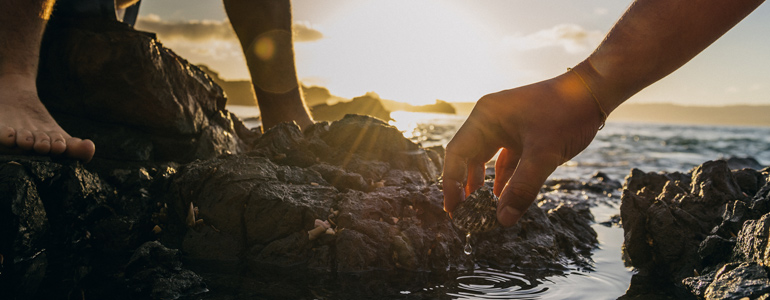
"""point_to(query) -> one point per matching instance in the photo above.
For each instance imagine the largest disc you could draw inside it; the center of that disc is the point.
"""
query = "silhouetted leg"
(264, 30)
(25, 124)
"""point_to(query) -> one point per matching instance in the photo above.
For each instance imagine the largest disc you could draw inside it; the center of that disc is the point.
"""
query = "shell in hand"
(478, 213)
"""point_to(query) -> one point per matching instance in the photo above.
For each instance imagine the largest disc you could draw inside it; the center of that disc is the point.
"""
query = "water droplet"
(468, 249)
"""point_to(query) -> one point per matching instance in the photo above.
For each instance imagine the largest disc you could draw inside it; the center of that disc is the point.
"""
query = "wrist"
(608, 93)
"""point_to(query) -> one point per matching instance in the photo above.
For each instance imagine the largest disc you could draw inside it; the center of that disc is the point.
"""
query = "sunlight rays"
(410, 51)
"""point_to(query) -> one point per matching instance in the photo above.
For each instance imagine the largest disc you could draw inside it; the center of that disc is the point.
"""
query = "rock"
(72, 226)
(156, 272)
(23, 230)
(737, 281)
(400, 225)
(737, 163)
(170, 111)
(666, 216)
(708, 233)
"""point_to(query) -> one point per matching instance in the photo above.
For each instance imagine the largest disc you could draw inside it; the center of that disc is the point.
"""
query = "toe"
(7, 136)
(82, 150)
(25, 139)
(42, 142)
(58, 143)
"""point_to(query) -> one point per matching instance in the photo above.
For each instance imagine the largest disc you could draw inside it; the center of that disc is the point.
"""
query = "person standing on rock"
(542, 125)
(263, 28)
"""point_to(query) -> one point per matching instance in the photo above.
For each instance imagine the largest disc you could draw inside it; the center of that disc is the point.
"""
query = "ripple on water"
(495, 284)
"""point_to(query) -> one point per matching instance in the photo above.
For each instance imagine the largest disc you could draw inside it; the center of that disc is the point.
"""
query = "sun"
(409, 51)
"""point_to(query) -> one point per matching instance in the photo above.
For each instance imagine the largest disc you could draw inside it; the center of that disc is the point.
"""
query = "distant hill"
(364, 105)
(238, 92)
(747, 115)
(438, 107)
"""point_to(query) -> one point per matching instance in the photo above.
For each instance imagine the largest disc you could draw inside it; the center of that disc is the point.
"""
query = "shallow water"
(616, 149)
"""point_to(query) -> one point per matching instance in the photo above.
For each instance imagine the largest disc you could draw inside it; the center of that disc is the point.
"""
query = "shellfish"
(478, 213)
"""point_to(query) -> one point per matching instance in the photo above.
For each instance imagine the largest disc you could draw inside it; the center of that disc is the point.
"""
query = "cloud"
(207, 30)
(601, 11)
(192, 30)
(304, 32)
(573, 38)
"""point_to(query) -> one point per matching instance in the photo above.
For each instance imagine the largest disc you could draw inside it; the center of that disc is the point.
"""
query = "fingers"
(524, 185)
(454, 180)
(476, 173)
(504, 168)
(464, 163)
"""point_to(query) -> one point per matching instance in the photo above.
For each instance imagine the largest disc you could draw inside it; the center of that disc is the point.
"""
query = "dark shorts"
(95, 9)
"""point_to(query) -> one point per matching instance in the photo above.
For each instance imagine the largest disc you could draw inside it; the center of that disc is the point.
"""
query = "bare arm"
(652, 39)
(542, 125)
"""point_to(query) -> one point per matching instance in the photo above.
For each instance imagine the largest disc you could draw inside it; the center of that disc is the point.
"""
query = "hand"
(538, 127)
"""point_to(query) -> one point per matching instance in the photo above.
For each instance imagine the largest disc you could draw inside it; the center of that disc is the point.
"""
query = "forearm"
(652, 39)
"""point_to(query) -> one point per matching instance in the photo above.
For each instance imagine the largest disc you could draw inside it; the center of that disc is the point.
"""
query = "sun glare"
(409, 51)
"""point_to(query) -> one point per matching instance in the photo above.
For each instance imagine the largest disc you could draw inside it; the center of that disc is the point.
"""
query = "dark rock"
(748, 180)
(715, 249)
(398, 224)
(23, 229)
(614, 221)
(737, 163)
(158, 108)
(667, 219)
(738, 281)
(155, 272)
(77, 229)
(373, 139)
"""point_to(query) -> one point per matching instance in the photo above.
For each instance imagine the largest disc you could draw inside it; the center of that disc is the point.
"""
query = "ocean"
(617, 149)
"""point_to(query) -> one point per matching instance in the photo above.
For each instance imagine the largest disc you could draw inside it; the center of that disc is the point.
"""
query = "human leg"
(25, 124)
(264, 30)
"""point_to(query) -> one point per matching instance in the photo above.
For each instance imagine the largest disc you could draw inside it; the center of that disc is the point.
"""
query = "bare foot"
(27, 127)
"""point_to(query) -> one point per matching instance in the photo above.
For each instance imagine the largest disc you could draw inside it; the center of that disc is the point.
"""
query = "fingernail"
(508, 216)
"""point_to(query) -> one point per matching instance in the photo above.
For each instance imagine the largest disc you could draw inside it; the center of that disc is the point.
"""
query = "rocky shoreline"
(183, 201)
(179, 188)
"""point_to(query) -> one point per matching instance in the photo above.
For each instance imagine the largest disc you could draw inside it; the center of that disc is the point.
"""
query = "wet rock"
(614, 221)
(398, 224)
(666, 216)
(708, 233)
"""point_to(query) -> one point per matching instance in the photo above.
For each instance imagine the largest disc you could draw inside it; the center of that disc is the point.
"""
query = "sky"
(417, 51)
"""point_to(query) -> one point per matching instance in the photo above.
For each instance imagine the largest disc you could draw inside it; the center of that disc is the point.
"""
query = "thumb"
(524, 185)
